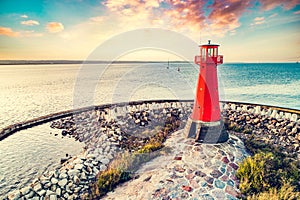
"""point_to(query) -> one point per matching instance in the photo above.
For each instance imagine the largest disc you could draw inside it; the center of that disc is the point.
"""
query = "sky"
(246, 30)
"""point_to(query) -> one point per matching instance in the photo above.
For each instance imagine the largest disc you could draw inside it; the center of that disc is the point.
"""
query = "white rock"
(77, 161)
(287, 115)
(274, 113)
(83, 176)
(63, 175)
(233, 106)
(58, 192)
(294, 117)
(25, 190)
(78, 166)
(73, 172)
(257, 110)
(103, 167)
(49, 192)
(41, 193)
(54, 180)
(294, 130)
(104, 161)
(37, 187)
(62, 182)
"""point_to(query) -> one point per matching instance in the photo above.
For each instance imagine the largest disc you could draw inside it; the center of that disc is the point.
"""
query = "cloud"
(97, 19)
(24, 16)
(186, 14)
(297, 12)
(258, 20)
(8, 32)
(30, 23)
(225, 15)
(54, 27)
(273, 15)
(30, 34)
(270, 4)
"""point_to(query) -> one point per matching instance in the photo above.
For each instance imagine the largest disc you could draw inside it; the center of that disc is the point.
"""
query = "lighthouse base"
(206, 132)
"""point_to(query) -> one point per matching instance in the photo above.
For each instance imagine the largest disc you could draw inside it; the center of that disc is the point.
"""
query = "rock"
(14, 195)
(178, 158)
(234, 166)
(37, 187)
(187, 188)
(78, 167)
(256, 120)
(216, 173)
(76, 179)
(25, 190)
(209, 180)
(104, 161)
(53, 197)
(73, 172)
(30, 195)
(62, 182)
(41, 193)
(49, 192)
(103, 167)
(225, 160)
(83, 176)
(54, 181)
(58, 192)
(199, 173)
(63, 175)
(219, 184)
(230, 190)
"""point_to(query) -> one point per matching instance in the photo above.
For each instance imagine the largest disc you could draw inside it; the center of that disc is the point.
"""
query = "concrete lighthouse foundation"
(206, 132)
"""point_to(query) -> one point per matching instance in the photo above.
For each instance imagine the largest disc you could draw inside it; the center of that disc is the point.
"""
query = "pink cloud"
(225, 14)
(8, 32)
(30, 23)
(270, 4)
(54, 27)
(297, 12)
(187, 14)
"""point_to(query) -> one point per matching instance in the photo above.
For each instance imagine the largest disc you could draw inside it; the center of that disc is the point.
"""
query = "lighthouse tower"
(205, 123)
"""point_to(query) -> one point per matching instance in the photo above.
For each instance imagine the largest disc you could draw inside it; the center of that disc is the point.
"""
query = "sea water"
(29, 91)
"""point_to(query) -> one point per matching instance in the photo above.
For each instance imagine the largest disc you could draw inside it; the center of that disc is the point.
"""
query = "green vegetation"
(268, 173)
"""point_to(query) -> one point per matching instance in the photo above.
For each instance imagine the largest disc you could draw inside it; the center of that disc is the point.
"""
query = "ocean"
(29, 91)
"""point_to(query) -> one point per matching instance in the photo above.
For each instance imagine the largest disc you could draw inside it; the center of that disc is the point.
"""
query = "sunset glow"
(248, 30)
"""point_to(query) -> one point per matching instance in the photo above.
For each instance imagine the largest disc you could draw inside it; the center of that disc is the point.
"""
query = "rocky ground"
(278, 128)
(190, 171)
(107, 131)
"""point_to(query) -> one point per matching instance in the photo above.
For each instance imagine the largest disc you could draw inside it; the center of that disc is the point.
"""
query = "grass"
(286, 192)
(124, 165)
(268, 173)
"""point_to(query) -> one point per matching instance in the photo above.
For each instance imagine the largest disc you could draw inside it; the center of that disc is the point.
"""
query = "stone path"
(190, 171)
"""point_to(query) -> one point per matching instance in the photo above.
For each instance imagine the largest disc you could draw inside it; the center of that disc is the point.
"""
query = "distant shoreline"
(55, 62)
(49, 62)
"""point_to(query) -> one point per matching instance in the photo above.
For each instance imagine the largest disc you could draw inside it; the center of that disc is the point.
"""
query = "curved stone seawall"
(109, 129)
(277, 112)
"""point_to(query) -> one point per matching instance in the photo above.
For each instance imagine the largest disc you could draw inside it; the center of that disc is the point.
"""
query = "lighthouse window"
(203, 53)
(210, 52)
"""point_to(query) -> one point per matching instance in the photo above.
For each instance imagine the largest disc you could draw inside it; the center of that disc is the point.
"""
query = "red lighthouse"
(205, 123)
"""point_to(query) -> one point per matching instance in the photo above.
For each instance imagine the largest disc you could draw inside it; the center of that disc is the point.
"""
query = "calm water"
(32, 91)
